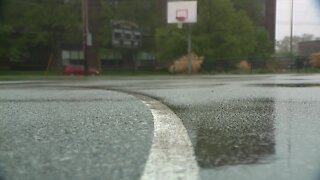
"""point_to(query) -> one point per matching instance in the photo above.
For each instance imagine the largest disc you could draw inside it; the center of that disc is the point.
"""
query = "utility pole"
(189, 50)
(291, 31)
(85, 34)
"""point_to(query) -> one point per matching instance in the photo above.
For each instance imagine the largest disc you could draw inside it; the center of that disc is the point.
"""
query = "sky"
(306, 15)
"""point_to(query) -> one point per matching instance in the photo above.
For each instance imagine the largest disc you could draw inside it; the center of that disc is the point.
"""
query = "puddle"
(242, 132)
(295, 79)
(301, 85)
(233, 132)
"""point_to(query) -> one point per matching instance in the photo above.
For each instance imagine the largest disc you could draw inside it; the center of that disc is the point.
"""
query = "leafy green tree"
(141, 13)
(251, 7)
(222, 33)
(171, 43)
(264, 47)
(2, 4)
(40, 23)
(107, 13)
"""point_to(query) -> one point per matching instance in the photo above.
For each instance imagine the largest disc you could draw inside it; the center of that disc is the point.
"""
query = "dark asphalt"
(241, 127)
(56, 133)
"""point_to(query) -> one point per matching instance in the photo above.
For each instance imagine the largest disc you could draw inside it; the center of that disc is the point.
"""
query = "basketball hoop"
(181, 16)
(180, 22)
(180, 12)
(180, 25)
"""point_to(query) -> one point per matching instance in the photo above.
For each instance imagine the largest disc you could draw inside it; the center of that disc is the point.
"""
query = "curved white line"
(172, 154)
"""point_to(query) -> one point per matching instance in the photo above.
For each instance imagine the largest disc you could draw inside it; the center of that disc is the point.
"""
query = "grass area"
(310, 70)
(137, 73)
(263, 71)
(29, 73)
(6, 75)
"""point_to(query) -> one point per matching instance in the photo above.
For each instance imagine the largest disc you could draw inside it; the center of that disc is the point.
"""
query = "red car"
(79, 70)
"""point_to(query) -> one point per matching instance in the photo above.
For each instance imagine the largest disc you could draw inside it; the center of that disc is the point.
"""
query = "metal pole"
(189, 51)
(85, 33)
(291, 31)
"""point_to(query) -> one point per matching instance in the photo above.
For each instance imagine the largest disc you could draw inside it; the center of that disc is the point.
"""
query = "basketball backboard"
(182, 12)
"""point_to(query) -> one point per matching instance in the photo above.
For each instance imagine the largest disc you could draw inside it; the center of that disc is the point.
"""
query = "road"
(229, 127)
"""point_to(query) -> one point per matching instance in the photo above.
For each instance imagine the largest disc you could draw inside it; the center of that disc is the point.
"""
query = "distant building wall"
(308, 47)
(269, 17)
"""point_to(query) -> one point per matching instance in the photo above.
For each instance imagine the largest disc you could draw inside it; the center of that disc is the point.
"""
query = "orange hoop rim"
(181, 18)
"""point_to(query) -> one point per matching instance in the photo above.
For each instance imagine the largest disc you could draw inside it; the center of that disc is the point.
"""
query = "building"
(268, 8)
(307, 48)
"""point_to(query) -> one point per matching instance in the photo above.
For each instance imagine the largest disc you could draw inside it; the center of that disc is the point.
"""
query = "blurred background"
(238, 36)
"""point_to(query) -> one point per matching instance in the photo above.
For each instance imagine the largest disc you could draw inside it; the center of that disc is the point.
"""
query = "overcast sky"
(306, 18)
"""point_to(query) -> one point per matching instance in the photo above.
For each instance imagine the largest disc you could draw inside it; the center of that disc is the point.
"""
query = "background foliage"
(227, 30)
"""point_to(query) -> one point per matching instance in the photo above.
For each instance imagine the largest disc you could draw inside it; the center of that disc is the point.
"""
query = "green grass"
(29, 73)
(6, 75)
(132, 73)
(310, 70)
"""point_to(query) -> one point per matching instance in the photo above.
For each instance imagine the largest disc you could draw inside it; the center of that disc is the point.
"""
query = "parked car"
(79, 70)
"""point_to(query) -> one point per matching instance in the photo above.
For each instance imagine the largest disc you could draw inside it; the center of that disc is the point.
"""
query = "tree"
(141, 13)
(138, 12)
(55, 22)
(251, 8)
(37, 23)
(221, 33)
(2, 3)
(171, 43)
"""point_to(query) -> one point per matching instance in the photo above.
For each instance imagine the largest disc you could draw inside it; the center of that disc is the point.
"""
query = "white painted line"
(172, 155)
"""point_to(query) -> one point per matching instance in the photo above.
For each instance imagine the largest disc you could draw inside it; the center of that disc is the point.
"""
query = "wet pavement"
(62, 133)
(241, 127)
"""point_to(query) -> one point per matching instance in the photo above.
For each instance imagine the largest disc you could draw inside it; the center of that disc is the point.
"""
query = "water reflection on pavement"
(251, 129)
(248, 127)
(244, 135)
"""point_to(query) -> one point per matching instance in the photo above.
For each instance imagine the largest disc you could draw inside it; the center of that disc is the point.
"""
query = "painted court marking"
(171, 155)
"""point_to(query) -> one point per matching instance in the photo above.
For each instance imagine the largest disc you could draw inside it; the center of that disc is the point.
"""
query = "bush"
(315, 60)
(244, 66)
(181, 65)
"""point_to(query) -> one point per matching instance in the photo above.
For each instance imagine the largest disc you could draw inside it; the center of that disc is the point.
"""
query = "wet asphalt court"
(241, 127)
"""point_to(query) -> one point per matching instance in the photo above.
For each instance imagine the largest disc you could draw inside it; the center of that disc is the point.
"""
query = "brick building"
(268, 8)
(307, 48)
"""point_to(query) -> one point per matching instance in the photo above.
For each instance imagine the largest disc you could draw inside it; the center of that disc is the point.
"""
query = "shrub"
(181, 64)
(244, 66)
(315, 60)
